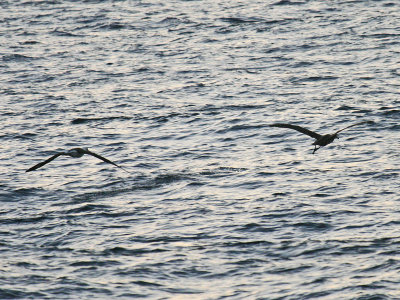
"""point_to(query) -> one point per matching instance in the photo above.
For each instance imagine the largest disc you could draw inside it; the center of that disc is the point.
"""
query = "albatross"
(75, 152)
(320, 140)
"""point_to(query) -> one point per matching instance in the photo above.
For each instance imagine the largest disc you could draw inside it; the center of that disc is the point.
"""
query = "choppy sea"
(215, 204)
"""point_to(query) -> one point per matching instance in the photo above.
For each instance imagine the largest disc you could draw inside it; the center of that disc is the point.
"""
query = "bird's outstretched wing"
(44, 162)
(103, 158)
(298, 128)
(352, 126)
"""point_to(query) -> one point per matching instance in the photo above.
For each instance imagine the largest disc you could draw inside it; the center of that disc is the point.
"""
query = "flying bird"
(75, 152)
(320, 140)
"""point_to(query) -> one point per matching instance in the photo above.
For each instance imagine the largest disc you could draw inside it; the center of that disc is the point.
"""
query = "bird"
(320, 140)
(76, 153)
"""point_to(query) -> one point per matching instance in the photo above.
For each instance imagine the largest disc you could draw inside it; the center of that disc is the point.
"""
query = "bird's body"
(320, 140)
(325, 139)
(76, 153)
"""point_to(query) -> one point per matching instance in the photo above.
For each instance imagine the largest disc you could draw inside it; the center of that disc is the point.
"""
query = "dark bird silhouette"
(75, 152)
(320, 140)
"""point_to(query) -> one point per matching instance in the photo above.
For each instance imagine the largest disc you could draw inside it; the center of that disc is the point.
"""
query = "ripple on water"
(216, 204)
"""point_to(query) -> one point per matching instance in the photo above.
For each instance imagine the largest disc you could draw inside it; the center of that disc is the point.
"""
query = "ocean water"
(216, 204)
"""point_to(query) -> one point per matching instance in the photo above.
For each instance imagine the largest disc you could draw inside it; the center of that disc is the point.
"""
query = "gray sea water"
(216, 204)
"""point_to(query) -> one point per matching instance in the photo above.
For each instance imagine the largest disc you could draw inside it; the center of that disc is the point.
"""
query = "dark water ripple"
(216, 204)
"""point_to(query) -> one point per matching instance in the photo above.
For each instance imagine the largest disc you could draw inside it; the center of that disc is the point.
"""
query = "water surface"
(217, 205)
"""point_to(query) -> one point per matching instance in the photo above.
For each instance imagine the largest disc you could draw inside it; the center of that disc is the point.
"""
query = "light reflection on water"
(217, 203)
